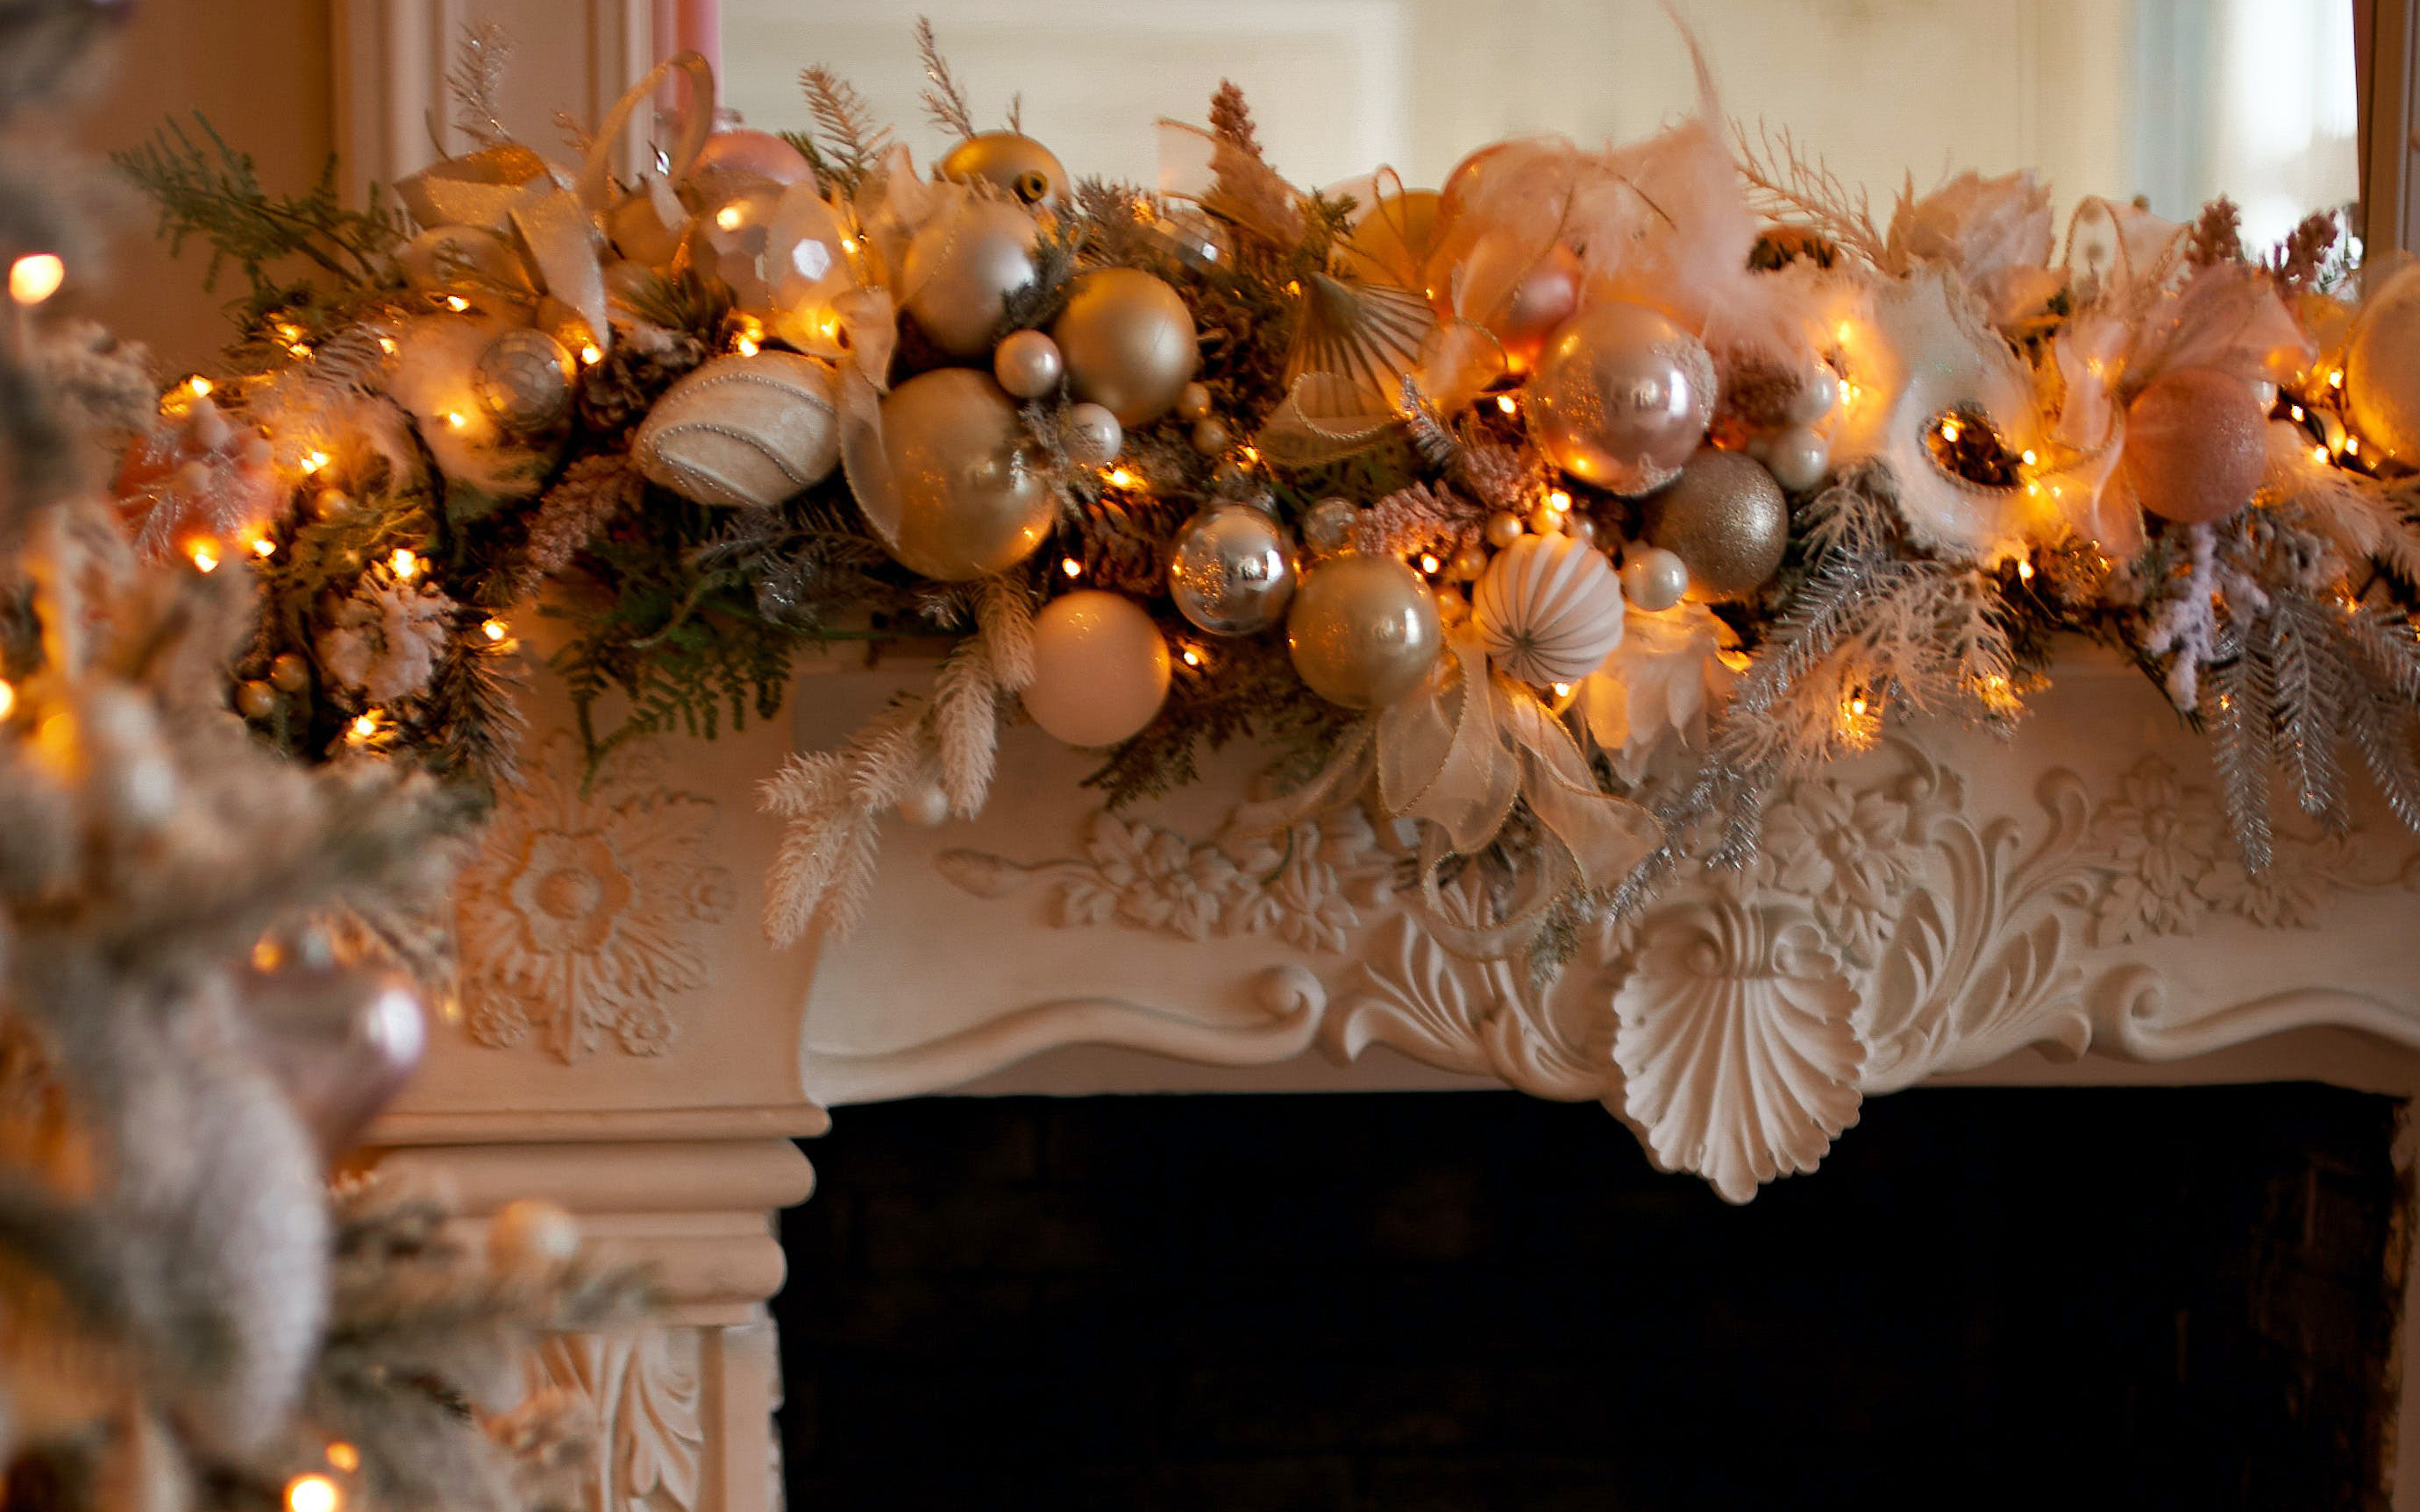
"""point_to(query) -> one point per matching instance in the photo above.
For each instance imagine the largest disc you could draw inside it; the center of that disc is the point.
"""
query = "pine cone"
(619, 391)
(589, 494)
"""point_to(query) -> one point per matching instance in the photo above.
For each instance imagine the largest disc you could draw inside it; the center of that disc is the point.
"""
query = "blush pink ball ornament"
(2196, 446)
(1622, 397)
(1100, 669)
(756, 154)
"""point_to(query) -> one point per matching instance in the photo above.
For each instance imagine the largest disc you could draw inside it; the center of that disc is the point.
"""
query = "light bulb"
(314, 462)
(36, 276)
(8, 698)
(263, 547)
(312, 1493)
(403, 562)
(1071, 567)
(729, 216)
(591, 355)
(1505, 403)
(204, 558)
(495, 630)
(457, 303)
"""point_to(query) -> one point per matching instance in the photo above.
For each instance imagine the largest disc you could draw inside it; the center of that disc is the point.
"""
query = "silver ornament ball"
(1727, 521)
(1653, 579)
(1621, 397)
(1329, 525)
(1027, 363)
(523, 380)
(1093, 436)
(1233, 570)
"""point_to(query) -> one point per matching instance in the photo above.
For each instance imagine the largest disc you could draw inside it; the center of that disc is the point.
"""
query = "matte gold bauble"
(1128, 342)
(1727, 520)
(971, 502)
(1100, 669)
(1364, 631)
(1009, 161)
(2197, 444)
(2382, 369)
(960, 269)
(1622, 397)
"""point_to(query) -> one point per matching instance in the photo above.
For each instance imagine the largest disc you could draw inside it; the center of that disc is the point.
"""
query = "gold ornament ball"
(1544, 298)
(1009, 161)
(1211, 435)
(257, 700)
(970, 501)
(1192, 402)
(1622, 397)
(960, 269)
(2382, 369)
(1130, 343)
(1467, 564)
(523, 381)
(1100, 669)
(1652, 579)
(290, 674)
(531, 1235)
(1503, 528)
(1727, 520)
(2197, 444)
(1364, 631)
(1028, 363)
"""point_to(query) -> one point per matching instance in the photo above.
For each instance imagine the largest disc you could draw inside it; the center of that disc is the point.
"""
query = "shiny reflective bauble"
(1100, 669)
(1467, 564)
(1364, 631)
(1580, 527)
(1653, 579)
(339, 1042)
(1233, 570)
(1622, 397)
(1211, 435)
(1503, 528)
(1815, 397)
(753, 154)
(256, 700)
(2196, 445)
(1192, 402)
(1130, 343)
(2382, 369)
(1538, 305)
(1329, 525)
(523, 380)
(290, 674)
(1093, 436)
(1027, 363)
(1727, 521)
(1008, 161)
(1798, 458)
(971, 503)
(961, 267)
(531, 1236)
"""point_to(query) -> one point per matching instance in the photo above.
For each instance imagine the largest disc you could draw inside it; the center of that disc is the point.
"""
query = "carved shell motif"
(747, 430)
(1548, 610)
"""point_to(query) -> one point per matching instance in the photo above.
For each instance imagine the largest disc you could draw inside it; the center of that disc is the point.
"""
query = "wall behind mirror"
(2174, 99)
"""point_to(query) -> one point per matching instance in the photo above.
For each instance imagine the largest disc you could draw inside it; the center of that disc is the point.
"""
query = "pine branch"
(945, 102)
(2237, 707)
(214, 192)
(476, 82)
(1790, 183)
(2309, 692)
(851, 138)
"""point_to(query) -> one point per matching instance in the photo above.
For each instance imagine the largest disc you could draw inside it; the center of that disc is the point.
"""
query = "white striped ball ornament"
(1548, 610)
(746, 431)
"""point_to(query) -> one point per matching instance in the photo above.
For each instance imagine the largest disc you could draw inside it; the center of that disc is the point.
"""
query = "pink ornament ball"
(757, 154)
(2196, 446)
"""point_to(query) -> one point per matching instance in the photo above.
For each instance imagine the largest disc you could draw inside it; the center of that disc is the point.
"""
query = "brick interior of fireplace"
(1401, 1303)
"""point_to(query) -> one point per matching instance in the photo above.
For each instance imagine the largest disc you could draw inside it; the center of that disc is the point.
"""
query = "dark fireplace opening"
(1986, 1298)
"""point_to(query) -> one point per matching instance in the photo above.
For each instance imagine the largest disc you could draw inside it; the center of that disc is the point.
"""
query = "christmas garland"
(1561, 513)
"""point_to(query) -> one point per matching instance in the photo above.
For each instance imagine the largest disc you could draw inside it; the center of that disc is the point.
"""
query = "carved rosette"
(1884, 934)
(584, 913)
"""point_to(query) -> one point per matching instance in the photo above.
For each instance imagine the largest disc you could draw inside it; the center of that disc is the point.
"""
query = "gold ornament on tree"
(960, 269)
(1364, 631)
(1100, 669)
(1008, 161)
(1128, 342)
(747, 431)
(2382, 371)
(1622, 397)
(1548, 610)
(970, 500)
(1727, 522)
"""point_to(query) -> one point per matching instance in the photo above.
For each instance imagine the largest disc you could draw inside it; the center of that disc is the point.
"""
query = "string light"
(1071, 567)
(2336, 379)
(591, 355)
(200, 386)
(36, 276)
(729, 216)
(495, 630)
(1858, 705)
(2352, 446)
(1192, 657)
(745, 346)
(1505, 403)
(204, 558)
(1949, 429)
(1559, 501)
(8, 698)
(263, 547)
(365, 728)
(403, 562)
(2025, 572)
(1121, 478)
(2028, 456)
(849, 245)
(312, 1493)
(2320, 454)
(344, 1457)
(314, 462)
(266, 954)
(1429, 562)
(456, 419)
(752, 337)
(457, 303)
(1562, 690)
(2294, 412)
(1253, 455)
(386, 344)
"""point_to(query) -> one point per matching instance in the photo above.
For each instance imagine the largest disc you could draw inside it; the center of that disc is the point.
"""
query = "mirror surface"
(2176, 101)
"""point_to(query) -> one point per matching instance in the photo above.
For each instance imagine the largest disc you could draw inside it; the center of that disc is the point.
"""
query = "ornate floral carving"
(644, 1388)
(583, 913)
(1886, 932)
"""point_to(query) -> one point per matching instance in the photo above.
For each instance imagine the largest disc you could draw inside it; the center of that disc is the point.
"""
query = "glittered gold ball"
(1622, 397)
(1727, 520)
(2197, 444)
(1010, 160)
(1100, 669)
(2382, 369)
(971, 502)
(1364, 631)
(1130, 343)
(961, 267)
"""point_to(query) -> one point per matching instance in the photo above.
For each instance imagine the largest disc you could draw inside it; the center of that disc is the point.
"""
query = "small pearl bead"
(1192, 402)
(1653, 579)
(1503, 529)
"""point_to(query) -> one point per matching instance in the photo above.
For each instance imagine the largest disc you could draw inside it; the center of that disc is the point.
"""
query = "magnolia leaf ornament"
(1548, 610)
